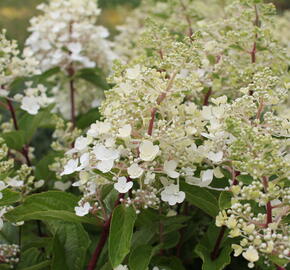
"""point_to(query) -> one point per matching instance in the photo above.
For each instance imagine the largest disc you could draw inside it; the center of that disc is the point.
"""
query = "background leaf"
(121, 231)
(206, 246)
(48, 205)
(71, 243)
(201, 198)
(9, 197)
(140, 257)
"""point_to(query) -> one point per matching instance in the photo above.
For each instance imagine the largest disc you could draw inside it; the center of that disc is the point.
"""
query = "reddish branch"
(216, 250)
(24, 150)
(190, 30)
(268, 205)
(103, 238)
(280, 267)
(161, 97)
(206, 97)
(254, 48)
(71, 73)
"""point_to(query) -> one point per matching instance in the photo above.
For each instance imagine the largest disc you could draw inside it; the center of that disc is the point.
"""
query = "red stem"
(206, 97)
(214, 254)
(71, 73)
(24, 150)
(151, 123)
(268, 205)
(279, 267)
(103, 238)
(13, 114)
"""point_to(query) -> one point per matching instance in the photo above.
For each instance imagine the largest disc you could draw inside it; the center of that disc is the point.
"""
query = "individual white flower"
(238, 250)
(172, 195)
(170, 167)
(103, 153)
(81, 143)
(105, 166)
(133, 73)
(149, 178)
(251, 254)
(14, 182)
(148, 151)
(2, 186)
(74, 47)
(106, 157)
(30, 104)
(217, 172)
(99, 128)
(39, 184)
(125, 131)
(215, 157)
(135, 171)
(84, 161)
(62, 186)
(70, 167)
(83, 210)
(121, 267)
(206, 178)
(122, 186)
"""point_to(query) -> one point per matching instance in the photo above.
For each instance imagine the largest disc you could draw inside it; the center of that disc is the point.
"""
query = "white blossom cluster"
(12, 66)
(186, 108)
(66, 36)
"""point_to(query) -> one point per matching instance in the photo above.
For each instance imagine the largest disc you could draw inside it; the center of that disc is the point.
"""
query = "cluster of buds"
(9, 254)
(257, 216)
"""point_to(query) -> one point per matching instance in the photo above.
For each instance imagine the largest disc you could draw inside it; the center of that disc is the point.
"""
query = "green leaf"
(278, 261)
(170, 240)
(206, 246)
(29, 123)
(144, 235)
(9, 234)
(9, 197)
(201, 198)
(94, 76)
(71, 243)
(121, 231)
(30, 258)
(48, 205)
(225, 200)
(42, 170)
(246, 179)
(140, 257)
(39, 266)
(58, 261)
(85, 120)
(14, 139)
(168, 263)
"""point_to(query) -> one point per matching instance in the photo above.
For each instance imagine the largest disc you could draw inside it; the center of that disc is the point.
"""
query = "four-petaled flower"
(148, 151)
(83, 209)
(170, 167)
(172, 195)
(122, 186)
(135, 171)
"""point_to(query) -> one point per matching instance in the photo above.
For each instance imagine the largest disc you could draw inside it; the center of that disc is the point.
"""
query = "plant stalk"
(104, 237)
(214, 254)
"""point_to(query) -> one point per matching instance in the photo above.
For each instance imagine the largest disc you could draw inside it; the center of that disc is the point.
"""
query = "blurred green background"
(15, 14)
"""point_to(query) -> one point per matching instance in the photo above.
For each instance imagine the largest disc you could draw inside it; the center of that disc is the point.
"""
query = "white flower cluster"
(34, 98)
(12, 64)
(66, 35)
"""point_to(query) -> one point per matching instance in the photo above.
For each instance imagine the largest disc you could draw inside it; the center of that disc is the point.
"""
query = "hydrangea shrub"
(165, 147)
